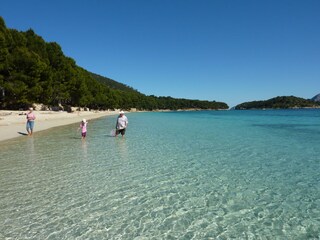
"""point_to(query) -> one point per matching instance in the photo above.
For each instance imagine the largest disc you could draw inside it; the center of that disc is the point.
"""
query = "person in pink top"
(30, 121)
(83, 127)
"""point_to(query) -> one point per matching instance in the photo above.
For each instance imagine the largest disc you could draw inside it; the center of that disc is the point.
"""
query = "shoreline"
(13, 123)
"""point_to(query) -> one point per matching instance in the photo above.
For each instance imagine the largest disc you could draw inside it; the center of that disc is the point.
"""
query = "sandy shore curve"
(13, 123)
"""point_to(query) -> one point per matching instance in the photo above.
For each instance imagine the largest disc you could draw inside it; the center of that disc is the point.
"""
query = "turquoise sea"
(176, 175)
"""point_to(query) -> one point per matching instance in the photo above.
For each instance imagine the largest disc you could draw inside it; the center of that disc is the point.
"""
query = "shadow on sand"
(24, 134)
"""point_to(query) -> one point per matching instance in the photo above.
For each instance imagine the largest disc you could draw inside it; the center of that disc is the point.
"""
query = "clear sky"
(225, 50)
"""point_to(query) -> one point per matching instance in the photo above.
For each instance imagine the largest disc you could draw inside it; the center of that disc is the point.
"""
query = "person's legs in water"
(30, 125)
(84, 134)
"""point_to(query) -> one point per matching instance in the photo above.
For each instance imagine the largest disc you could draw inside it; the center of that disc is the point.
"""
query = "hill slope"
(112, 83)
(316, 98)
(34, 71)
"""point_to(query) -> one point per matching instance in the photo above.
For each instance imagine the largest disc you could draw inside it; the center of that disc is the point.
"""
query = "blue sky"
(224, 50)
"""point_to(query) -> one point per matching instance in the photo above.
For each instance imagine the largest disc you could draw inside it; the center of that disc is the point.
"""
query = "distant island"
(283, 102)
(34, 71)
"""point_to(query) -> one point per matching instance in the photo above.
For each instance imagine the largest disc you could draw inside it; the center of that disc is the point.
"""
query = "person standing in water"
(30, 121)
(83, 127)
(122, 123)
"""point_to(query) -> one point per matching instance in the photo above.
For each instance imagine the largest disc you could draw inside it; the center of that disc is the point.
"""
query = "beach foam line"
(13, 123)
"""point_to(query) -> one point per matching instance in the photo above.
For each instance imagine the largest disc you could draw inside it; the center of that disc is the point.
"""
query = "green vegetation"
(34, 71)
(283, 102)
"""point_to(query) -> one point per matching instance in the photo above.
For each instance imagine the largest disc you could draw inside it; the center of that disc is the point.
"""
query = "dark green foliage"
(283, 102)
(34, 71)
(112, 83)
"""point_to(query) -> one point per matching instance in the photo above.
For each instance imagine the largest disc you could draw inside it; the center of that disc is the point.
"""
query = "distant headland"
(282, 102)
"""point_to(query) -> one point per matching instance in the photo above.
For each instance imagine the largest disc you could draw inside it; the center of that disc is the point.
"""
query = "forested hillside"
(283, 102)
(35, 71)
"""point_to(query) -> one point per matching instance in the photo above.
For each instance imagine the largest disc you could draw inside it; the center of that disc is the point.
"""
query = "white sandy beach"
(13, 123)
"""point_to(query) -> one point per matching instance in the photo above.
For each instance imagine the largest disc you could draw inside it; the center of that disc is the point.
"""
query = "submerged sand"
(13, 123)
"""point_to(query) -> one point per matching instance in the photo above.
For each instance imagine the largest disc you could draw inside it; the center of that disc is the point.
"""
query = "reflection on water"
(122, 147)
(30, 151)
(84, 149)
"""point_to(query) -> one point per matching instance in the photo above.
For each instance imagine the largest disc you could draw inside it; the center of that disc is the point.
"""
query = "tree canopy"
(35, 71)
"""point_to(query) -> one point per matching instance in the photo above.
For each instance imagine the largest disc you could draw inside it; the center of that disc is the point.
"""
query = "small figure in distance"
(30, 121)
(83, 127)
(122, 123)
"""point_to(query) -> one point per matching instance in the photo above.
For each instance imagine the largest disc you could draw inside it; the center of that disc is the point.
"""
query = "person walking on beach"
(30, 121)
(122, 123)
(83, 127)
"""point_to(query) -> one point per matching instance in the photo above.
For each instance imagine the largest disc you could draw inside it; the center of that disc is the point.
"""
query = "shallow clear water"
(176, 175)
